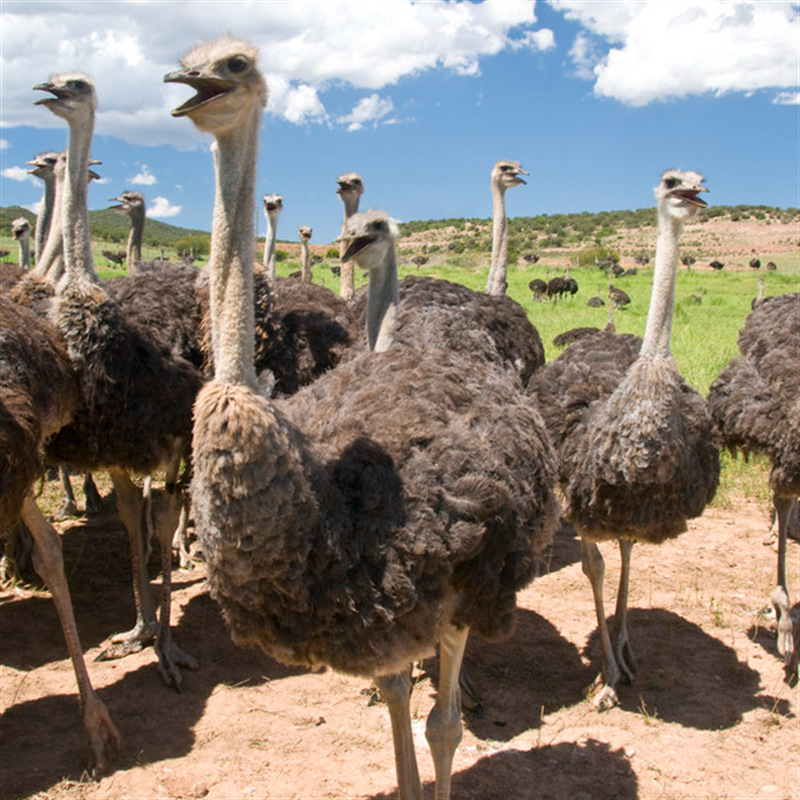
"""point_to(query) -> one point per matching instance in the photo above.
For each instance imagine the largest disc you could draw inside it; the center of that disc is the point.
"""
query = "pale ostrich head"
(679, 193)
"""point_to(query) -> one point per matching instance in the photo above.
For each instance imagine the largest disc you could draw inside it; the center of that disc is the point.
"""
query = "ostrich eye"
(671, 183)
(80, 85)
(237, 64)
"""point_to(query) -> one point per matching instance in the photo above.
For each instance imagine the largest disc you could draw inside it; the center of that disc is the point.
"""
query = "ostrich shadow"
(42, 740)
(551, 772)
(685, 675)
(564, 551)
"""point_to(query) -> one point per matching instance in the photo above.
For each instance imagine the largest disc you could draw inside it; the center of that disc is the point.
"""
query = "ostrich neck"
(659, 317)
(45, 216)
(305, 266)
(269, 245)
(496, 283)
(25, 253)
(77, 241)
(233, 253)
(134, 254)
(48, 259)
(347, 271)
(382, 302)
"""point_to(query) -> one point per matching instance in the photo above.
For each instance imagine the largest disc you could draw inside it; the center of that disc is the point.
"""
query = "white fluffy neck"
(49, 258)
(24, 252)
(45, 216)
(496, 282)
(659, 317)
(134, 251)
(233, 252)
(347, 272)
(269, 244)
(382, 303)
(305, 262)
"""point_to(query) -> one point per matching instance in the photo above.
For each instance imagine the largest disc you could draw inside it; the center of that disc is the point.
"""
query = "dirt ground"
(707, 716)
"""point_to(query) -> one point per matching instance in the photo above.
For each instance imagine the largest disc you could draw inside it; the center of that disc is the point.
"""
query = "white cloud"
(370, 109)
(306, 48)
(34, 207)
(787, 99)
(655, 50)
(143, 178)
(17, 174)
(102, 181)
(160, 207)
(4, 144)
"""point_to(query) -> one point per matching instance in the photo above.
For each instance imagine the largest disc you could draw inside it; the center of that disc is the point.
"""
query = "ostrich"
(419, 261)
(570, 284)
(556, 287)
(538, 288)
(273, 205)
(620, 297)
(132, 204)
(359, 536)
(755, 263)
(39, 394)
(755, 401)
(596, 301)
(44, 169)
(758, 300)
(617, 271)
(305, 262)
(717, 265)
(772, 266)
(21, 231)
(123, 424)
(687, 261)
(505, 174)
(351, 187)
(637, 452)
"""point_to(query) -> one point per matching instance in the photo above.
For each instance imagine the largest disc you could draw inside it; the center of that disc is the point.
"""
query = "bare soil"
(707, 716)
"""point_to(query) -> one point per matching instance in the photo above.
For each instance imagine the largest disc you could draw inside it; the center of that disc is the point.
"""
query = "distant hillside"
(112, 226)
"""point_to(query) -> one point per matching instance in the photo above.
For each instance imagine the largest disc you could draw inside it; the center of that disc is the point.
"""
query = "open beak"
(206, 89)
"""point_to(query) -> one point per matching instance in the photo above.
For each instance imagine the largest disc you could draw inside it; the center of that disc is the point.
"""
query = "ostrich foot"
(132, 641)
(171, 658)
(105, 740)
(602, 693)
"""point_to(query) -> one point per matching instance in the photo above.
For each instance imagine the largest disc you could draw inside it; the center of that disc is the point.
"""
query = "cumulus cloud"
(653, 50)
(4, 144)
(305, 51)
(143, 178)
(17, 174)
(370, 109)
(160, 207)
(787, 99)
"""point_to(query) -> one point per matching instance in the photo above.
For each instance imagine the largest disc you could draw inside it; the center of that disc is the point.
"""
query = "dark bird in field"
(755, 263)
(716, 265)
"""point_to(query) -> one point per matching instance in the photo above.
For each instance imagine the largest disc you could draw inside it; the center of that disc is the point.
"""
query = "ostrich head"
(506, 174)
(220, 73)
(679, 193)
(73, 93)
(273, 204)
(305, 233)
(43, 165)
(20, 228)
(130, 203)
(369, 236)
(350, 184)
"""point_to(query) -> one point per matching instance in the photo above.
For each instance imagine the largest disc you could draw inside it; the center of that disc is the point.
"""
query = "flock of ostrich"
(373, 474)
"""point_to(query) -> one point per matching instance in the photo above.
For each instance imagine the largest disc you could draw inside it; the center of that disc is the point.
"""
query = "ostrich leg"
(622, 644)
(784, 507)
(443, 729)
(603, 691)
(104, 738)
(395, 691)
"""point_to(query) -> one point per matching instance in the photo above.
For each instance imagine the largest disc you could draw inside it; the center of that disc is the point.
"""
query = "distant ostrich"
(556, 287)
(717, 265)
(273, 206)
(631, 271)
(606, 264)
(758, 300)
(772, 266)
(132, 204)
(755, 401)
(39, 394)
(636, 445)
(596, 301)
(755, 263)
(687, 261)
(43, 168)
(505, 174)
(617, 271)
(305, 263)
(123, 423)
(530, 258)
(351, 187)
(389, 517)
(538, 288)
(620, 297)
(419, 261)
(21, 231)
(570, 284)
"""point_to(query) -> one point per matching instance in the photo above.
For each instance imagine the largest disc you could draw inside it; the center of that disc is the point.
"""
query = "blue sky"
(595, 99)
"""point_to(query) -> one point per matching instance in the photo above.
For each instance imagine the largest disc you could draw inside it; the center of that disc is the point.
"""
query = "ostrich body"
(351, 187)
(505, 174)
(717, 265)
(619, 296)
(123, 424)
(637, 454)
(273, 205)
(348, 542)
(755, 263)
(596, 301)
(38, 394)
(305, 261)
(21, 231)
(538, 289)
(755, 401)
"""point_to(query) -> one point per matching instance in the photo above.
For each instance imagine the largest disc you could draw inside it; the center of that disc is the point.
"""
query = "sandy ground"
(707, 716)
